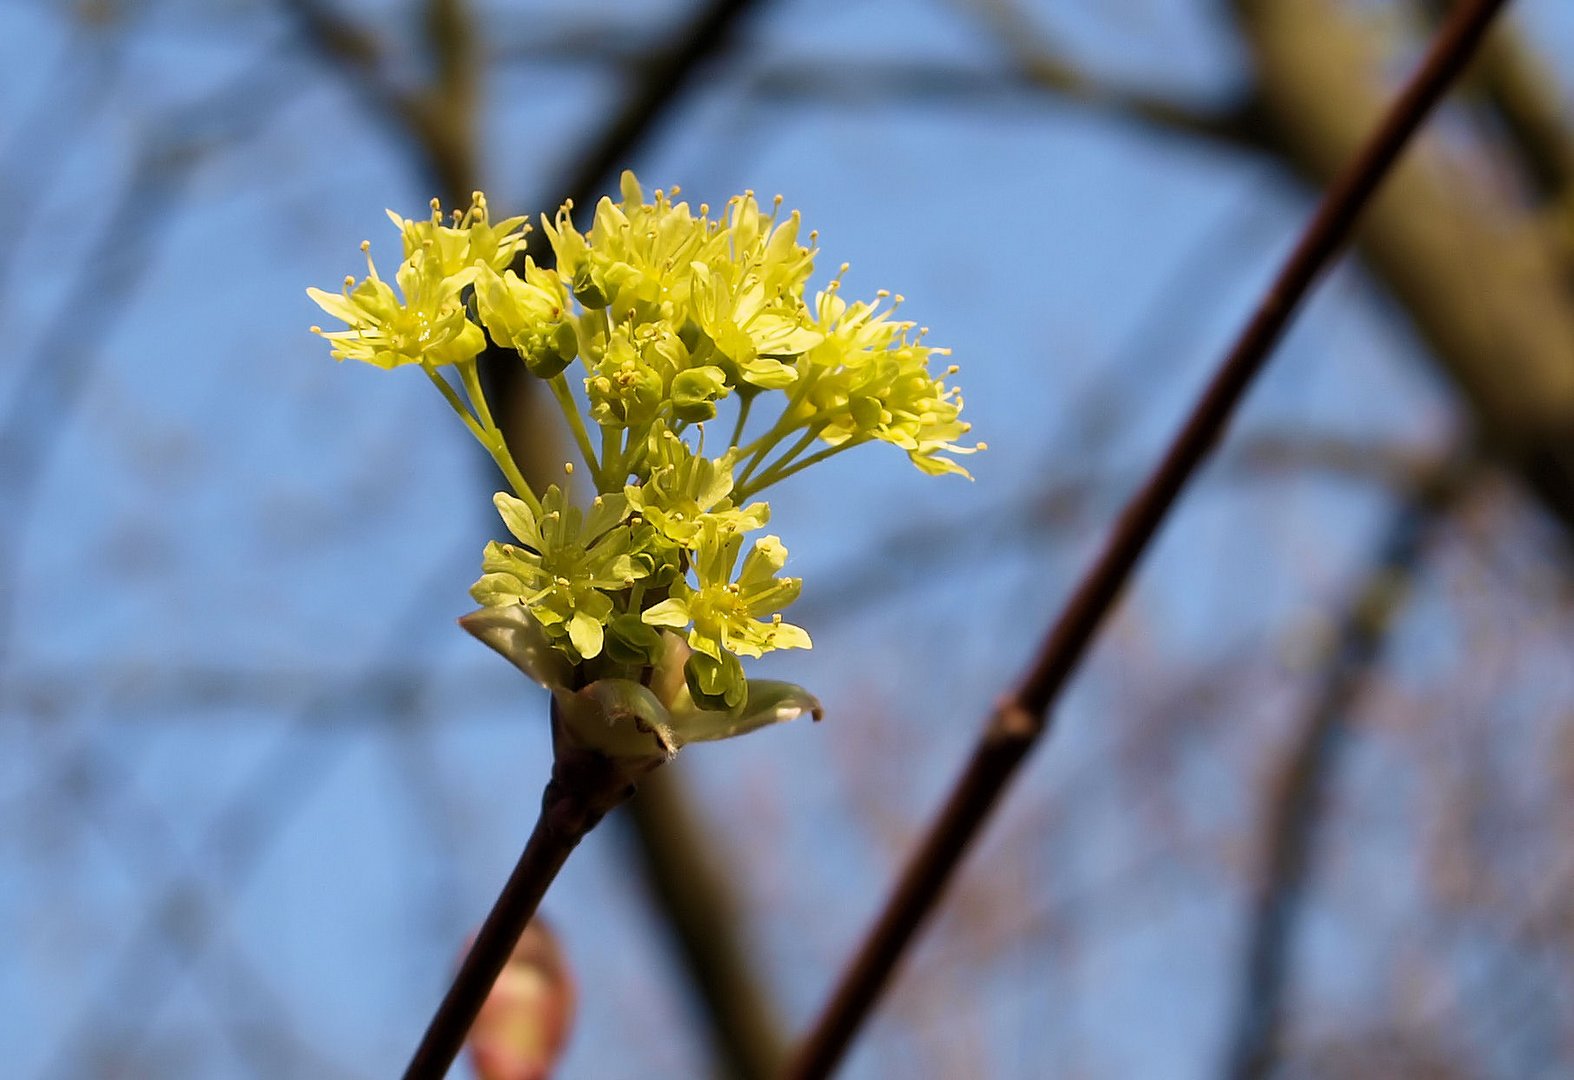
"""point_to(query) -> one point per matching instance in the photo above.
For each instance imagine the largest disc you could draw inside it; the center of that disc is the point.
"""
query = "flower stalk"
(585, 785)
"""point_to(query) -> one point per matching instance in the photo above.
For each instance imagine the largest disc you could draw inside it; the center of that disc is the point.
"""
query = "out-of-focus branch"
(921, 82)
(240, 833)
(1295, 800)
(689, 889)
(437, 120)
(1480, 277)
(355, 55)
(48, 389)
(1040, 64)
(52, 125)
(445, 115)
(1524, 95)
(1023, 716)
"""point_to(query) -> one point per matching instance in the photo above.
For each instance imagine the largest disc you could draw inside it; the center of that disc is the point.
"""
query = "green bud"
(694, 393)
(715, 684)
(867, 412)
(695, 339)
(586, 289)
(630, 641)
(549, 355)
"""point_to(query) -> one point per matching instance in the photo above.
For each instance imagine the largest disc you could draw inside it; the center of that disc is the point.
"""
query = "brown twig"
(1022, 718)
(584, 786)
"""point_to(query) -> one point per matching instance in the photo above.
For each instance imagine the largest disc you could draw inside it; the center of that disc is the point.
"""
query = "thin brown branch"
(583, 787)
(1023, 717)
(1296, 797)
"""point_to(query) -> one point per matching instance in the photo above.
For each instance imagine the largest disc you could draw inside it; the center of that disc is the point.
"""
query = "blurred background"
(1309, 809)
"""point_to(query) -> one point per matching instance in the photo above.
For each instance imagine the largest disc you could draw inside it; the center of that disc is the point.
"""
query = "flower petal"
(670, 612)
(585, 632)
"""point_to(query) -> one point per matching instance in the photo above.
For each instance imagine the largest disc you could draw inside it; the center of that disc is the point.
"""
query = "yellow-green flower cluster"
(645, 327)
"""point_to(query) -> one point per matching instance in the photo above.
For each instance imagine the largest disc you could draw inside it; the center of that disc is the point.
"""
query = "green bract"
(654, 325)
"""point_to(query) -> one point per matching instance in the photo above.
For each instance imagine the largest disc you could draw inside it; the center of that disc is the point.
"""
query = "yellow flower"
(472, 238)
(427, 326)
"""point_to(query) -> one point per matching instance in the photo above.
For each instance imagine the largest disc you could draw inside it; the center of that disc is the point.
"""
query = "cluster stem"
(583, 788)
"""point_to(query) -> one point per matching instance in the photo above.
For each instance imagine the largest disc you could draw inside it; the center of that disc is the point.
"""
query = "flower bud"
(524, 1023)
(587, 290)
(550, 355)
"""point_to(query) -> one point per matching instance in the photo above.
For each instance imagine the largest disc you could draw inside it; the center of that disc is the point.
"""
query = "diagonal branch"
(1023, 717)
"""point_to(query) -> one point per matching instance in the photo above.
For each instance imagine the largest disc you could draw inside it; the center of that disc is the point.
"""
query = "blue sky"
(219, 503)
